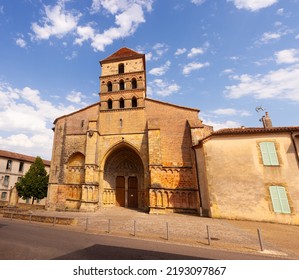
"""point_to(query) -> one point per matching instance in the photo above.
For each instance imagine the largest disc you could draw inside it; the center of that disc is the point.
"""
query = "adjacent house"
(12, 167)
(250, 173)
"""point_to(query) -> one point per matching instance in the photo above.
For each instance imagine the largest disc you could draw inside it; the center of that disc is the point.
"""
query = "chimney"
(267, 121)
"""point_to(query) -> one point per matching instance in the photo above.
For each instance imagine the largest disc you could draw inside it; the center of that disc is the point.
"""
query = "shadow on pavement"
(103, 252)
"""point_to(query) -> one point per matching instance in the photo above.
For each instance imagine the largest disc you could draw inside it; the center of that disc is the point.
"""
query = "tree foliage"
(34, 184)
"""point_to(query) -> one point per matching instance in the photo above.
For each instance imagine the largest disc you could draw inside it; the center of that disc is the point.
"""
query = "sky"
(232, 59)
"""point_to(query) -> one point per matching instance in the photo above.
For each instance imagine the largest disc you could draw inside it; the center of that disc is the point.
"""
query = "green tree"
(34, 184)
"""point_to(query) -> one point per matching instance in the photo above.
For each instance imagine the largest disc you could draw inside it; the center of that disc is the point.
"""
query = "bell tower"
(123, 80)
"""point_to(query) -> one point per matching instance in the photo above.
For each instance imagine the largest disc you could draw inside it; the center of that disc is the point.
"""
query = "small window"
(9, 164)
(6, 181)
(121, 85)
(279, 200)
(21, 166)
(121, 103)
(134, 102)
(109, 104)
(268, 152)
(109, 86)
(121, 68)
(134, 83)
(3, 195)
(19, 179)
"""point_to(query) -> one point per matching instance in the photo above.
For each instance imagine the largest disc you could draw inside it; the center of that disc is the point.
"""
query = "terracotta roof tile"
(248, 130)
(11, 155)
(123, 53)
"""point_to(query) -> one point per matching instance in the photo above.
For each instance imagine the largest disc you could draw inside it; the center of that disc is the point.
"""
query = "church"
(127, 150)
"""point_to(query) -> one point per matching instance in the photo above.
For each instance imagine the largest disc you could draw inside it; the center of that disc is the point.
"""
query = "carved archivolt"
(123, 161)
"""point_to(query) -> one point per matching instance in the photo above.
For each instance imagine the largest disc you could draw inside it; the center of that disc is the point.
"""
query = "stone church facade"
(127, 150)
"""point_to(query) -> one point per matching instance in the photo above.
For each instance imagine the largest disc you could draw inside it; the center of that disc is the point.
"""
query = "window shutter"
(268, 152)
(279, 200)
(272, 153)
(275, 199)
(285, 207)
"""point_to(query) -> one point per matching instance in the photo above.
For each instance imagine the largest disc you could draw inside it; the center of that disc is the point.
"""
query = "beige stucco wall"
(233, 174)
(13, 174)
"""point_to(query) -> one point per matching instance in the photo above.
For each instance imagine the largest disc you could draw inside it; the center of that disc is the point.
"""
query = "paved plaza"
(240, 236)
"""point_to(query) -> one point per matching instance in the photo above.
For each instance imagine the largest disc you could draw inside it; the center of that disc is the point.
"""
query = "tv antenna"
(259, 109)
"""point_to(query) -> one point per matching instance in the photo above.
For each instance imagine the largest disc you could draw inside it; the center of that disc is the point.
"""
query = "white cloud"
(95, 6)
(279, 84)
(198, 2)
(115, 6)
(235, 58)
(180, 51)
(287, 56)
(76, 97)
(26, 120)
(270, 36)
(56, 22)
(148, 56)
(220, 125)
(159, 71)
(231, 112)
(253, 5)
(192, 66)
(162, 88)
(73, 55)
(227, 72)
(280, 12)
(21, 42)
(126, 24)
(195, 51)
(160, 48)
(85, 33)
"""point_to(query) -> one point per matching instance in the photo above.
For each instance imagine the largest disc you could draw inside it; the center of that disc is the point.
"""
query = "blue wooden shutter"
(285, 207)
(279, 200)
(275, 199)
(268, 152)
(272, 153)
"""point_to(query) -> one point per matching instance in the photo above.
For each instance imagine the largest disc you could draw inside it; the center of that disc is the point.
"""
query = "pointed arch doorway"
(124, 174)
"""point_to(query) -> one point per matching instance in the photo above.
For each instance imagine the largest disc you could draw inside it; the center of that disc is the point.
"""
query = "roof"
(21, 157)
(173, 105)
(250, 130)
(121, 54)
(75, 112)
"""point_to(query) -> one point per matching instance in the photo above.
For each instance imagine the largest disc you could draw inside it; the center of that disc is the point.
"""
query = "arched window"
(121, 103)
(109, 86)
(109, 104)
(134, 83)
(121, 68)
(121, 85)
(134, 102)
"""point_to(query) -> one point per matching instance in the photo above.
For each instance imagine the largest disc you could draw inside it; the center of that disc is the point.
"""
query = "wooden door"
(120, 191)
(133, 192)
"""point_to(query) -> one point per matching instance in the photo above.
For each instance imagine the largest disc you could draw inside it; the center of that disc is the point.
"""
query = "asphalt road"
(21, 240)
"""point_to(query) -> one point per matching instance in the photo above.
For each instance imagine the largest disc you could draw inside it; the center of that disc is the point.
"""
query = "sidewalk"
(240, 236)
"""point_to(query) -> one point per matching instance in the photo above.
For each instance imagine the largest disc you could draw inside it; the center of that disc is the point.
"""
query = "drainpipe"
(295, 147)
(197, 179)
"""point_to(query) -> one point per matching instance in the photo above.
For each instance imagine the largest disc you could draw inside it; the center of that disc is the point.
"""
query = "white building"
(12, 167)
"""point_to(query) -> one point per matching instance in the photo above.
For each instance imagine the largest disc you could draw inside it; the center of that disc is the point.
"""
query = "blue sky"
(224, 57)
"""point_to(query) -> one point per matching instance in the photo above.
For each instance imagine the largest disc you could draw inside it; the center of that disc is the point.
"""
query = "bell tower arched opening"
(124, 177)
